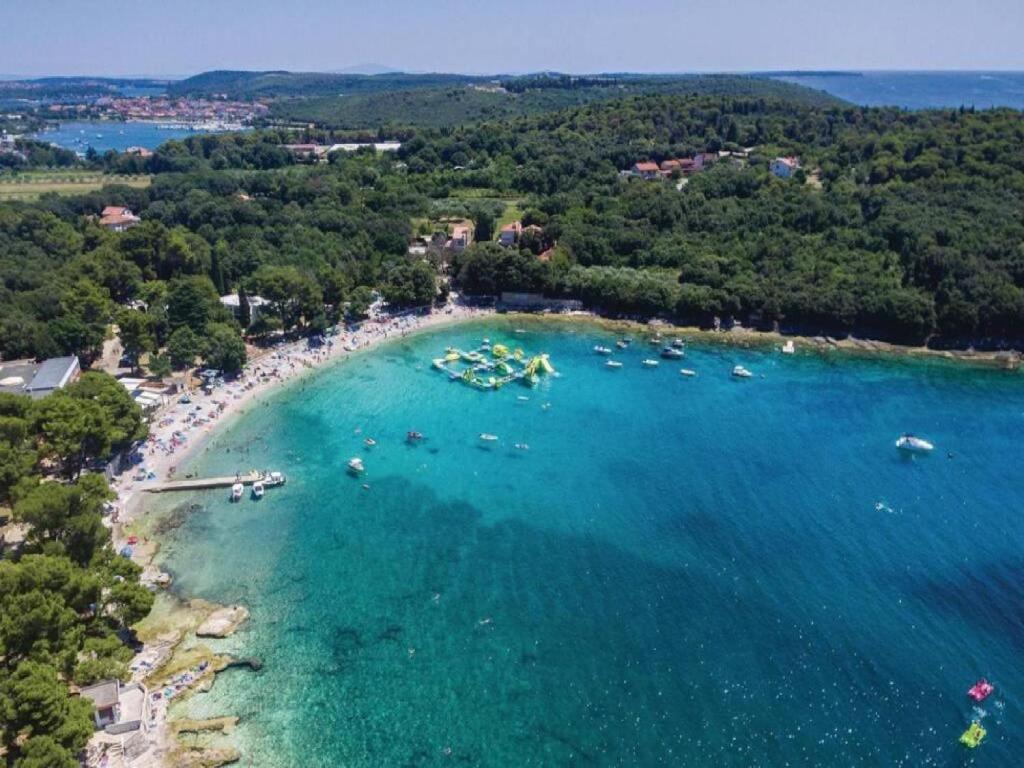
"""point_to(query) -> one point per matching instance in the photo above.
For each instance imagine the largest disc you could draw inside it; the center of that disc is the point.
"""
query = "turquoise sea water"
(679, 572)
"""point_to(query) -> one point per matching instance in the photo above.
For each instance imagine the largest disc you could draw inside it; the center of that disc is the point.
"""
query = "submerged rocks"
(218, 724)
(204, 758)
(223, 622)
(252, 663)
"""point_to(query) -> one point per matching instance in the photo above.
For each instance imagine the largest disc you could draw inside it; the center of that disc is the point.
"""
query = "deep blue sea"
(105, 135)
(921, 90)
(700, 571)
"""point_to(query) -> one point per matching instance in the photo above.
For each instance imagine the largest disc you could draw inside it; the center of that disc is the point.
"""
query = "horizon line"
(13, 77)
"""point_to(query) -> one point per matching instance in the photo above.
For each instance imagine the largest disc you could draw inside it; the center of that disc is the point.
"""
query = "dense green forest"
(514, 97)
(67, 600)
(905, 226)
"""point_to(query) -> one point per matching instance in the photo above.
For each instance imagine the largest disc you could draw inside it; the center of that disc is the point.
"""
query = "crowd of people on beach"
(175, 427)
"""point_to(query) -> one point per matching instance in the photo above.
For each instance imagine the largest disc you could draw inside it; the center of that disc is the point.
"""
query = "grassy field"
(511, 213)
(29, 186)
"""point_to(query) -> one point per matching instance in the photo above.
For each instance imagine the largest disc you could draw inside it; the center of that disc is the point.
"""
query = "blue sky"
(187, 36)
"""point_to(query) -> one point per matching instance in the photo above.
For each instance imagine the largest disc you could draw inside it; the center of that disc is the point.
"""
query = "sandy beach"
(178, 431)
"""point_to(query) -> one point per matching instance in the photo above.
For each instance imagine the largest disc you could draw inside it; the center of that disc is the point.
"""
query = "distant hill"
(249, 85)
(529, 95)
(366, 69)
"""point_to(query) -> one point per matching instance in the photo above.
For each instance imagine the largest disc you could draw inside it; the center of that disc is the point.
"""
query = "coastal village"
(208, 114)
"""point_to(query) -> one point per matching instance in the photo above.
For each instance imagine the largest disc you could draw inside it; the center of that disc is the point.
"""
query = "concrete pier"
(205, 483)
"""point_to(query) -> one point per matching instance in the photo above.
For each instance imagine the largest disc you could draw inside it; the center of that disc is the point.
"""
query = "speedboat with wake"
(913, 444)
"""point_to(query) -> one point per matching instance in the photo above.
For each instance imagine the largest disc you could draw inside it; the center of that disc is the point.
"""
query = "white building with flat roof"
(27, 377)
(255, 303)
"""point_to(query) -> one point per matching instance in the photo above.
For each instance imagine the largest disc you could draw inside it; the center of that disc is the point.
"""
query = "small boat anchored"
(672, 353)
(487, 437)
(613, 364)
(741, 373)
(648, 363)
(602, 350)
(236, 491)
(369, 442)
(413, 436)
(913, 444)
(274, 479)
(687, 372)
(355, 466)
(258, 490)
(789, 348)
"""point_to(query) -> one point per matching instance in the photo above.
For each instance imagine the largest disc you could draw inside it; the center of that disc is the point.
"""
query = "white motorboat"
(258, 490)
(369, 442)
(355, 465)
(687, 372)
(602, 350)
(672, 353)
(650, 363)
(236, 491)
(488, 437)
(613, 364)
(678, 343)
(273, 479)
(913, 444)
(740, 372)
(789, 348)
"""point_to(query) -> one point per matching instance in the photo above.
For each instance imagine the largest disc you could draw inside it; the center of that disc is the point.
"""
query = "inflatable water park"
(491, 367)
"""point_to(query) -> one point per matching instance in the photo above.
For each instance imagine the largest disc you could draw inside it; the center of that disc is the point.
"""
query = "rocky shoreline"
(174, 662)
